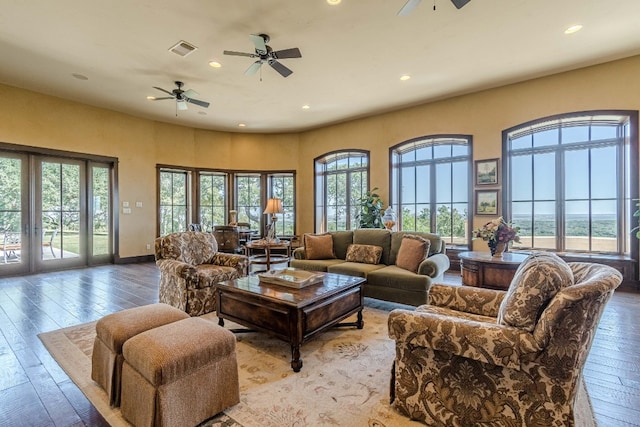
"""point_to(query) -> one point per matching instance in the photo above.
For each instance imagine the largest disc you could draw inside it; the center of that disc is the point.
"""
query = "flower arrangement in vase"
(498, 234)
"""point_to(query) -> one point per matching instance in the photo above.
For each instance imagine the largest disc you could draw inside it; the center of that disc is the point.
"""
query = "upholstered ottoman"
(179, 374)
(111, 333)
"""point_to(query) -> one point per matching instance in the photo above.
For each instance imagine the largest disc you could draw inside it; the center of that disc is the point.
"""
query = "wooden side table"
(481, 270)
(267, 258)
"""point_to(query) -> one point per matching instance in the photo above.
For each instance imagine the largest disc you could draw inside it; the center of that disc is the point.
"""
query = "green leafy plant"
(371, 211)
(637, 214)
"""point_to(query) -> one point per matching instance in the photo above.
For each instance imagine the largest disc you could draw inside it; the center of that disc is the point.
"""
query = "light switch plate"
(138, 204)
(125, 204)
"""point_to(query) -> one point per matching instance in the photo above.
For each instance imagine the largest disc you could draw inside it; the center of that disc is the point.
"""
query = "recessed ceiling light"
(80, 76)
(306, 107)
(215, 64)
(573, 29)
(151, 98)
(333, 2)
(405, 77)
(241, 125)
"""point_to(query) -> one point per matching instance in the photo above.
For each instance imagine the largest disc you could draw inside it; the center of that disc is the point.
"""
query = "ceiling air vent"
(183, 48)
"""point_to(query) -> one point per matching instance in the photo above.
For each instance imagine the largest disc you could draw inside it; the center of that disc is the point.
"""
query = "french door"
(55, 213)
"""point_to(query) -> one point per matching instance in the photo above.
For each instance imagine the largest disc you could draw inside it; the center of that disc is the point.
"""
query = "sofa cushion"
(396, 241)
(195, 247)
(318, 246)
(314, 264)
(536, 281)
(413, 250)
(375, 237)
(396, 278)
(341, 242)
(367, 254)
(358, 269)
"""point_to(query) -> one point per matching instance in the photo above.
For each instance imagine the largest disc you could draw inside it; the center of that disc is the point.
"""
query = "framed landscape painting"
(487, 172)
(487, 202)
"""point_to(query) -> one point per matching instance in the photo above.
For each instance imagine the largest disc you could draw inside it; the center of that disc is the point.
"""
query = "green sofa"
(385, 280)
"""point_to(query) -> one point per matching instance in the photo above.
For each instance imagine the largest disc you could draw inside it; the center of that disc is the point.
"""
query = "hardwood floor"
(35, 391)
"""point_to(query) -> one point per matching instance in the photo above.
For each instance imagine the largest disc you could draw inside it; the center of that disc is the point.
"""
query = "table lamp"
(274, 206)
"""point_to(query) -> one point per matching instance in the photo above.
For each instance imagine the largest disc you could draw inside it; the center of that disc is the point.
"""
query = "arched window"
(570, 181)
(430, 185)
(341, 179)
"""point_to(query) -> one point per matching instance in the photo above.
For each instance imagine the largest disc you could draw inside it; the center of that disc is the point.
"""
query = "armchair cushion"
(367, 254)
(413, 250)
(536, 281)
(318, 246)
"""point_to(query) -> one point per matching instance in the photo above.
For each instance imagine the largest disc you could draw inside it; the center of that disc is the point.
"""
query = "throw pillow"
(367, 254)
(536, 281)
(318, 246)
(413, 250)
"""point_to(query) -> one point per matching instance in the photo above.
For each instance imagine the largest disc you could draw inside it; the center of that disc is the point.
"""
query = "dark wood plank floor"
(34, 390)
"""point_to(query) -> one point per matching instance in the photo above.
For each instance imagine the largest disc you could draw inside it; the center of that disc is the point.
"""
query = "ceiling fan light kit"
(411, 5)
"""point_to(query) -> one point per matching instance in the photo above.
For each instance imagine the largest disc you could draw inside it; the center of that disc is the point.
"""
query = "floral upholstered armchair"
(481, 357)
(191, 266)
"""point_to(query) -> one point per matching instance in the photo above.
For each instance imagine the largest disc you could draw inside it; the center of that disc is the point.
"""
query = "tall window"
(282, 186)
(341, 181)
(430, 182)
(248, 194)
(570, 184)
(173, 199)
(212, 199)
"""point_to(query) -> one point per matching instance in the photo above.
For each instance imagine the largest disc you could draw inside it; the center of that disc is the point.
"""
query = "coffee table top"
(332, 284)
(507, 257)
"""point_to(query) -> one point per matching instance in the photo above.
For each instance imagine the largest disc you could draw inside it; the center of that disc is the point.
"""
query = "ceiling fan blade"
(409, 7)
(231, 52)
(182, 105)
(165, 91)
(163, 97)
(189, 93)
(259, 43)
(287, 53)
(253, 68)
(459, 3)
(197, 102)
(284, 71)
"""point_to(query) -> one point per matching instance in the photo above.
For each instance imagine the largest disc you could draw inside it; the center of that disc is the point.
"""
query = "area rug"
(344, 380)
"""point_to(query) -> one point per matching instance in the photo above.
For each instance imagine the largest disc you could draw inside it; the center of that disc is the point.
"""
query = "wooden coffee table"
(292, 315)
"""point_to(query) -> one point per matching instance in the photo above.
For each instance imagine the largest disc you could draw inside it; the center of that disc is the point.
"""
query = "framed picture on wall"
(487, 202)
(487, 172)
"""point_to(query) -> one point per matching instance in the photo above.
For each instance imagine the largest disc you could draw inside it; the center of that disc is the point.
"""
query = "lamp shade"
(274, 206)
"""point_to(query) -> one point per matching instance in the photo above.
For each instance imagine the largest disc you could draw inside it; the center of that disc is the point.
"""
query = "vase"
(497, 248)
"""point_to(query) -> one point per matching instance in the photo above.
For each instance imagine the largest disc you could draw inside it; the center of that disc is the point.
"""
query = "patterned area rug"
(344, 380)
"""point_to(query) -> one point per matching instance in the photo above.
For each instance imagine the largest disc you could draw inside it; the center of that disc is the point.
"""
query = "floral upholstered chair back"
(191, 247)
(522, 350)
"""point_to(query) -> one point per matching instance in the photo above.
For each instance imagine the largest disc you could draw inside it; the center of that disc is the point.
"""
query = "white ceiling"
(353, 54)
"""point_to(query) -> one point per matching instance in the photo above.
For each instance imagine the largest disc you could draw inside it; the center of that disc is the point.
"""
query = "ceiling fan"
(268, 55)
(181, 96)
(410, 6)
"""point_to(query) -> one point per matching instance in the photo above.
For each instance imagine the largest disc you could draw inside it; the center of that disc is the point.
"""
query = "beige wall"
(28, 118)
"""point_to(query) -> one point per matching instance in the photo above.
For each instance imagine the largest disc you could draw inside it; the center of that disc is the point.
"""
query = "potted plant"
(371, 211)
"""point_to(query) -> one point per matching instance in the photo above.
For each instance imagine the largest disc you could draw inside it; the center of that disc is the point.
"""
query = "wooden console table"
(481, 270)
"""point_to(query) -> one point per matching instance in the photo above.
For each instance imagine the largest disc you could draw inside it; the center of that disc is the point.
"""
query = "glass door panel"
(14, 244)
(100, 215)
(60, 215)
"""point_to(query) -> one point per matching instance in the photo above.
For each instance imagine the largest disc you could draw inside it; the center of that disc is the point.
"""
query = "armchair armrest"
(177, 268)
(299, 253)
(239, 262)
(434, 266)
(466, 298)
(486, 342)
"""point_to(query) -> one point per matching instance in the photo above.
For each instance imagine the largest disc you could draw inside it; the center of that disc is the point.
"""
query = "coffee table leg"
(360, 322)
(296, 363)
